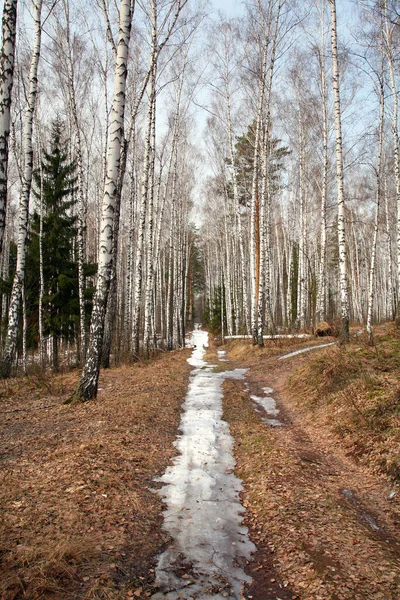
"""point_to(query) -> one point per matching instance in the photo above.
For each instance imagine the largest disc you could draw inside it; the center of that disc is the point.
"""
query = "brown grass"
(244, 352)
(317, 546)
(355, 393)
(78, 519)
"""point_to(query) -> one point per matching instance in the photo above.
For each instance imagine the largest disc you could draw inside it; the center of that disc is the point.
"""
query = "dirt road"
(325, 527)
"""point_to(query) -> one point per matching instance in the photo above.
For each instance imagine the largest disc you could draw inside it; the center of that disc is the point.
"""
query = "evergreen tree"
(60, 270)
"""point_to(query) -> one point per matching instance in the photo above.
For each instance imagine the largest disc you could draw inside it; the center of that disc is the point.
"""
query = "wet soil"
(325, 527)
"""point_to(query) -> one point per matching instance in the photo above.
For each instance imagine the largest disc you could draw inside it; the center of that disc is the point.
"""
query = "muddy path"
(324, 527)
(260, 504)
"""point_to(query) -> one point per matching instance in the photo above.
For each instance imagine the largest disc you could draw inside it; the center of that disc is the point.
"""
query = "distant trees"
(286, 239)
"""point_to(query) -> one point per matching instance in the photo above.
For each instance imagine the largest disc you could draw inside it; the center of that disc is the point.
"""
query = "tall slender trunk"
(112, 295)
(396, 145)
(171, 272)
(89, 381)
(42, 345)
(254, 221)
(264, 267)
(371, 294)
(13, 313)
(391, 308)
(149, 305)
(344, 295)
(237, 206)
(7, 58)
(142, 216)
(80, 191)
(321, 299)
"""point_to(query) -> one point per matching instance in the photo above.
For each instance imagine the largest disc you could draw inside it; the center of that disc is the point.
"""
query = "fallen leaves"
(79, 519)
(294, 512)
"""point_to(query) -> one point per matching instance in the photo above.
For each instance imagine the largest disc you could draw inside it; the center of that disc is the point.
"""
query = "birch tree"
(344, 298)
(87, 388)
(389, 29)
(13, 313)
(7, 57)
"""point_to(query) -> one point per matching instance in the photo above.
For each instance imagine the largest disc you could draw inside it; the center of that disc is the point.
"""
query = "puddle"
(204, 514)
(305, 350)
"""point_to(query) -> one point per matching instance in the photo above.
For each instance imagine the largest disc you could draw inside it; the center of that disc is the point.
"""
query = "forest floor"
(321, 491)
(79, 520)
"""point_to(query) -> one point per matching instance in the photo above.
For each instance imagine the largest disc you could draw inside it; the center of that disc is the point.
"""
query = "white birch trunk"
(13, 313)
(42, 345)
(143, 210)
(391, 308)
(371, 294)
(148, 313)
(89, 382)
(396, 146)
(7, 57)
(237, 205)
(80, 191)
(321, 299)
(344, 299)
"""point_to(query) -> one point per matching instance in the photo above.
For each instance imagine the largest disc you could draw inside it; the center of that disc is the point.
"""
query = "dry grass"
(244, 352)
(78, 519)
(355, 392)
(317, 545)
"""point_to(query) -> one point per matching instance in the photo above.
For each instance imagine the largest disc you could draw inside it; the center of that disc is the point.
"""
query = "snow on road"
(203, 513)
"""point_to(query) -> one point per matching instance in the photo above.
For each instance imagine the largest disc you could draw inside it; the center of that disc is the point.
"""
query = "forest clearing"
(81, 517)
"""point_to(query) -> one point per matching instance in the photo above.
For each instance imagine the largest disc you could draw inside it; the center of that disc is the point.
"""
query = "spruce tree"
(60, 270)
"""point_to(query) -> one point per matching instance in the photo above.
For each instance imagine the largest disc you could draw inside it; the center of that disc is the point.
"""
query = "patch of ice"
(203, 514)
(268, 404)
(305, 350)
(268, 390)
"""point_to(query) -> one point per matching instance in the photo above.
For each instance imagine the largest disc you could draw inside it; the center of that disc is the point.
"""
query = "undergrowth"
(355, 391)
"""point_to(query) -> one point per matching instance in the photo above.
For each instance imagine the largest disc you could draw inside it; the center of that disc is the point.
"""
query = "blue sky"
(233, 8)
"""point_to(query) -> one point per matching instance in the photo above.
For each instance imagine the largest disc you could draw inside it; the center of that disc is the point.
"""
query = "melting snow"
(278, 336)
(305, 350)
(268, 404)
(222, 355)
(203, 514)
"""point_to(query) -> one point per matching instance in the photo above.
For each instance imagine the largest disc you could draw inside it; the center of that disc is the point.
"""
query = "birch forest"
(163, 163)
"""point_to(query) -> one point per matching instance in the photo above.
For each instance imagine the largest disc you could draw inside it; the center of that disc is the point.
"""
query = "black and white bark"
(7, 59)
(389, 31)
(343, 277)
(321, 299)
(80, 191)
(13, 313)
(88, 385)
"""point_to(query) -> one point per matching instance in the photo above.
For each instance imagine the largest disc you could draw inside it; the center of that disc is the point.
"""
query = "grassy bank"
(355, 393)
